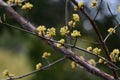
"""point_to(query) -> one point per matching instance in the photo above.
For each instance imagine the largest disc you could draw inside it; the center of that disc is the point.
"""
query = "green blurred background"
(20, 51)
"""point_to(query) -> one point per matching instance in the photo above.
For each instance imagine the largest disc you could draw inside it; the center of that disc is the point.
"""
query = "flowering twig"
(112, 14)
(98, 10)
(65, 44)
(63, 50)
(111, 33)
(32, 72)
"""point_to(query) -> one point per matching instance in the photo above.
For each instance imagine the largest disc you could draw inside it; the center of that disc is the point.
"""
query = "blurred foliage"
(51, 14)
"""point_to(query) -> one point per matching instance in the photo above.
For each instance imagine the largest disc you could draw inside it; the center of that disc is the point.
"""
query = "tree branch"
(27, 25)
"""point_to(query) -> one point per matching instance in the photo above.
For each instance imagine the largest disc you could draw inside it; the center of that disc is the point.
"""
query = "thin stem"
(112, 14)
(110, 33)
(75, 41)
(98, 10)
(45, 67)
(66, 21)
(15, 27)
(93, 42)
(66, 12)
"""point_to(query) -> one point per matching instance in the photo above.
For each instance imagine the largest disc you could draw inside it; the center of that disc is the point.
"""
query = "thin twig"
(98, 10)
(45, 67)
(112, 14)
(93, 42)
(75, 41)
(110, 33)
(66, 21)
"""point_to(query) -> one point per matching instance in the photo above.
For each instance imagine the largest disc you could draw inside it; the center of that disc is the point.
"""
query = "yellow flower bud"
(38, 66)
(75, 33)
(46, 55)
(89, 48)
(92, 62)
(5, 73)
(76, 17)
(73, 64)
(111, 30)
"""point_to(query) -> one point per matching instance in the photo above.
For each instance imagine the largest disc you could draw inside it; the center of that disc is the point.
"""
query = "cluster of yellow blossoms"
(7, 73)
(17, 2)
(49, 33)
(38, 66)
(80, 5)
(76, 17)
(114, 55)
(102, 61)
(71, 23)
(93, 3)
(60, 43)
(64, 30)
(92, 62)
(26, 6)
(73, 64)
(46, 55)
(95, 51)
(111, 30)
(75, 33)
(119, 8)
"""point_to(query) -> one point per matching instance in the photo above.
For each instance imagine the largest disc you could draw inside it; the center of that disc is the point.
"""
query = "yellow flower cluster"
(51, 32)
(100, 60)
(38, 66)
(46, 55)
(64, 30)
(76, 17)
(75, 8)
(17, 2)
(89, 48)
(27, 6)
(41, 30)
(111, 30)
(93, 3)
(73, 64)
(80, 5)
(119, 8)
(5, 73)
(92, 62)
(114, 55)
(59, 44)
(96, 51)
(75, 33)
(71, 23)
